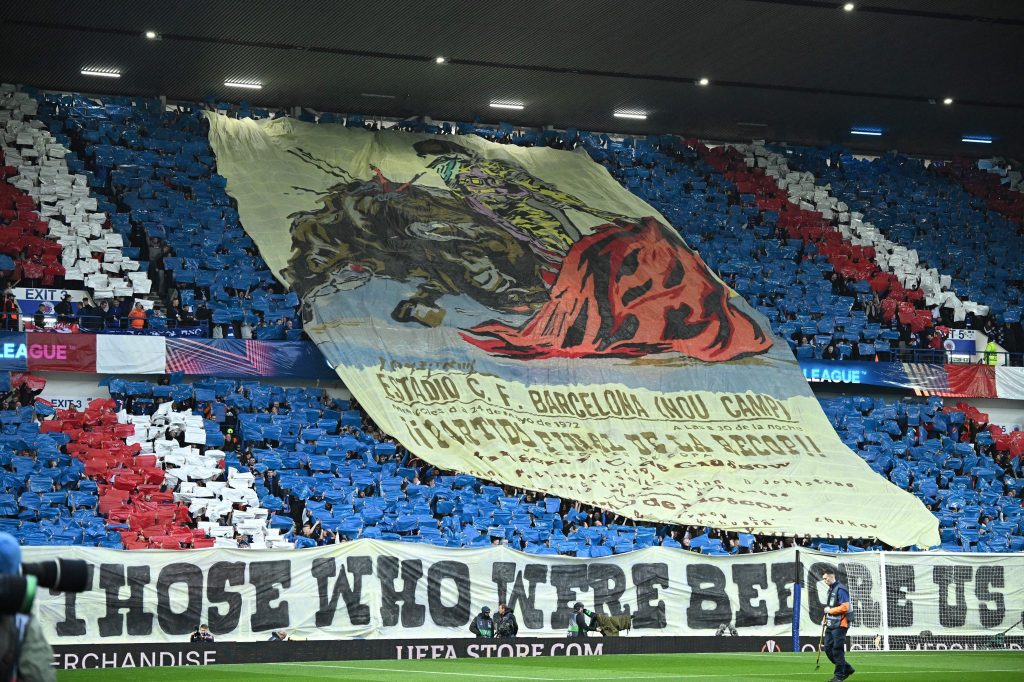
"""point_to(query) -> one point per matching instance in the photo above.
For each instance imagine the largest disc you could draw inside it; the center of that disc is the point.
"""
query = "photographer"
(483, 625)
(578, 625)
(203, 634)
(505, 624)
(25, 655)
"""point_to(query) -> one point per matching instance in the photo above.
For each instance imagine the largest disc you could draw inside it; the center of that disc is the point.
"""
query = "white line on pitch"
(667, 676)
(420, 672)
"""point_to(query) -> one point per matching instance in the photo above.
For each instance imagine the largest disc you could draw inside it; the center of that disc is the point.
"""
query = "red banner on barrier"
(972, 381)
(61, 352)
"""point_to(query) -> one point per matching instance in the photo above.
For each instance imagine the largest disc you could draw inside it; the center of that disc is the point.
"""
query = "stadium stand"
(778, 259)
(747, 209)
(967, 472)
(53, 227)
(138, 195)
(241, 464)
(831, 285)
(919, 205)
(802, 233)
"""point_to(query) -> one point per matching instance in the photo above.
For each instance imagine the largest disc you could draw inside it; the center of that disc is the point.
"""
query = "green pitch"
(990, 666)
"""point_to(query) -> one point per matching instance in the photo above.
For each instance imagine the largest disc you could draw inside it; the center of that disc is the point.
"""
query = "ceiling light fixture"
(703, 81)
(102, 73)
(440, 60)
(375, 95)
(639, 115)
(507, 105)
(872, 132)
(251, 85)
(947, 101)
(849, 7)
(977, 139)
(151, 35)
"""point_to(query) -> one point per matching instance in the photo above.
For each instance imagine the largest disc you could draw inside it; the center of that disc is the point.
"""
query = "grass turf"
(991, 666)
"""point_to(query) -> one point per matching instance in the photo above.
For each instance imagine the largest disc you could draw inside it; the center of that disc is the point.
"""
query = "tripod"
(1000, 639)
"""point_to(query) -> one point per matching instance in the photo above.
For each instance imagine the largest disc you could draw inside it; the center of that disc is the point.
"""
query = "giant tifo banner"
(374, 589)
(513, 313)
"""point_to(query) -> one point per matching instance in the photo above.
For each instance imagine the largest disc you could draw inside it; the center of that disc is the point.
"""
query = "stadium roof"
(796, 70)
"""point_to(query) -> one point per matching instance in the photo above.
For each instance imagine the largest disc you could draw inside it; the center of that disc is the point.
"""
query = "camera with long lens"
(18, 592)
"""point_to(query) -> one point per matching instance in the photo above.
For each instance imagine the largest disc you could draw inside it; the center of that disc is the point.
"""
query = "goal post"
(921, 601)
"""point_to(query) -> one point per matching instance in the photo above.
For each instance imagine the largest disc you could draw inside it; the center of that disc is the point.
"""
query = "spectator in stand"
(311, 535)
(203, 316)
(173, 310)
(1014, 342)
(106, 312)
(152, 250)
(39, 318)
(115, 317)
(89, 315)
(138, 316)
(137, 237)
(157, 273)
(63, 310)
(991, 352)
(11, 313)
(185, 318)
(272, 482)
(230, 441)
(124, 307)
(155, 318)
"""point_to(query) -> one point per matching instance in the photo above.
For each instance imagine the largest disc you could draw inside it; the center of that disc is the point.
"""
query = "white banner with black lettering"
(375, 589)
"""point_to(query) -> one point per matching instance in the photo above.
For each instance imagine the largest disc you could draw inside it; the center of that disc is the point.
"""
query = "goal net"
(922, 601)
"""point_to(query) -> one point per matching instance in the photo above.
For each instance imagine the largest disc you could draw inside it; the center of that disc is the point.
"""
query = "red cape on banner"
(61, 352)
(605, 302)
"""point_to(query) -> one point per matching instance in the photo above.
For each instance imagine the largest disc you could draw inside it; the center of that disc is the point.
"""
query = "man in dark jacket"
(106, 312)
(203, 634)
(11, 312)
(63, 309)
(483, 625)
(578, 626)
(203, 316)
(837, 622)
(505, 624)
(89, 315)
